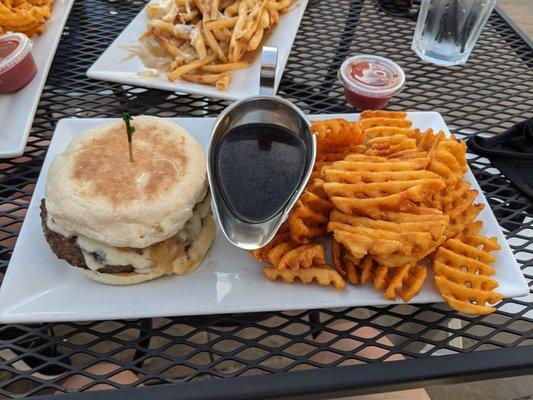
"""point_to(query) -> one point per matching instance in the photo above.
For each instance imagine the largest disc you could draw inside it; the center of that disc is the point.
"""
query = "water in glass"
(447, 30)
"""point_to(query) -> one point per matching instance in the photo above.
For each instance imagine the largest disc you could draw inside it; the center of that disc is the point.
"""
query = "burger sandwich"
(122, 220)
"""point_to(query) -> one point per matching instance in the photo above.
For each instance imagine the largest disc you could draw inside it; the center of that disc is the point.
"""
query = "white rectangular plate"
(17, 109)
(39, 287)
(115, 65)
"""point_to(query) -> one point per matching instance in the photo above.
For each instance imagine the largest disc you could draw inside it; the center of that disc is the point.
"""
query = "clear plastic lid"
(23, 48)
(372, 76)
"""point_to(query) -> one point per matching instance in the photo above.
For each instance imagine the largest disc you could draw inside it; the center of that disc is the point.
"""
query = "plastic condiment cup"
(370, 81)
(17, 66)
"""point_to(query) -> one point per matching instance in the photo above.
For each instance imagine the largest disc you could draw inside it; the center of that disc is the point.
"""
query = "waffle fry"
(398, 146)
(324, 275)
(378, 123)
(405, 281)
(398, 239)
(448, 160)
(26, 16)
(368, 184)
(327, 156)
(384, 146)
(294, 256)
(282, 236)
(283, 253)
(367, 269)
(345, 263)
(337, 133)
(336, 138)
(384, 121)
(412, 155)
(380, 118)
(463, 274)
(427, 141)
(473, 228)
(394, 200)
(310, 214)
(383, 114)
(459, 205)
(381, 131)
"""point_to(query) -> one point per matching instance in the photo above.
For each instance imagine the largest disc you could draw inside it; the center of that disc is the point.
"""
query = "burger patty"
(66, 248)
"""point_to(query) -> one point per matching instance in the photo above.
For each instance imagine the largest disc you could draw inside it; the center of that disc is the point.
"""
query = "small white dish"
(39, 287)
(117, 65)
(17, 109)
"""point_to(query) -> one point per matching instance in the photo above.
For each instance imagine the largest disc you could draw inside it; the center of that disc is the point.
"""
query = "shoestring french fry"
(206, 78)
(184, 69)
(217, 68)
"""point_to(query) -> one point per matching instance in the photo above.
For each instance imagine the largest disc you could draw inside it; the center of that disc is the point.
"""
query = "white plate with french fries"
(39, 287)
(205, 47)
(17, 109)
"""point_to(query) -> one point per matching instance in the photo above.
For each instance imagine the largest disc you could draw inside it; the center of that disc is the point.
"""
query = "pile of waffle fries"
(25, 16)
(393, 202)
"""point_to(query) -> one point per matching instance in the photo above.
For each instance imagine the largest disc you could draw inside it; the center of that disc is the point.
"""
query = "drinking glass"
(447, 30)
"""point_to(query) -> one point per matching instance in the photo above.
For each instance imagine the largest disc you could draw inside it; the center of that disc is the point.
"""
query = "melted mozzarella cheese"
(97, 255)
(160, 9)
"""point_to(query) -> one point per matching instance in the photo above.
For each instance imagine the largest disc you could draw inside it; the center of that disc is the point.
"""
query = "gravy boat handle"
(269, 67)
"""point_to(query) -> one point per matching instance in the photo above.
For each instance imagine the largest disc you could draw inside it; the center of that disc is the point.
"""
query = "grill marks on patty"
(66, 248)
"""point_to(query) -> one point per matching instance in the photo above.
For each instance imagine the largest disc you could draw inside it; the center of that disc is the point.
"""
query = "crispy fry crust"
(463, 274)
(336, 133)
(345, 263)
(324, 275)
(395, 240)
(26, 16)
(310, 214)
(394, 201)
(370, 184)
(289, 260)
(283, 253)
(404, 282)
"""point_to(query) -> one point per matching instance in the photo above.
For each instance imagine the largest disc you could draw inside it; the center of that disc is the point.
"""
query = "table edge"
(335, 382)
(347, 380)
(523, 35)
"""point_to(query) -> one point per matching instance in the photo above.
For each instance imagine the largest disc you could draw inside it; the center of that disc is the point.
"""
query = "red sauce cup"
(17, 67)
(370, 81)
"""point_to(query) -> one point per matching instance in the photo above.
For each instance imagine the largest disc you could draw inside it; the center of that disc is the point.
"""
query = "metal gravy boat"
(264, 108)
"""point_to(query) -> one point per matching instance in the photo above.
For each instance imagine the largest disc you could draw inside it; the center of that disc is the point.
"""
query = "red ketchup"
(370, 81)
(17, 67)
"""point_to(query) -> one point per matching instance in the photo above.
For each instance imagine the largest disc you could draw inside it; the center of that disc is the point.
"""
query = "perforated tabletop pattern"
(490, 93)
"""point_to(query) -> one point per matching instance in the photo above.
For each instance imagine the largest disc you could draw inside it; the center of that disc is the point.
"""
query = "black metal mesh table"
(332, 347)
